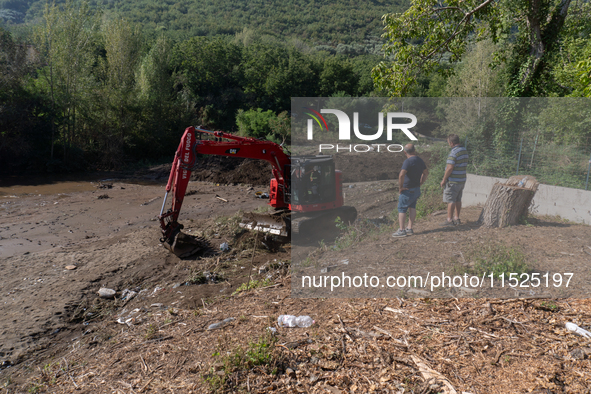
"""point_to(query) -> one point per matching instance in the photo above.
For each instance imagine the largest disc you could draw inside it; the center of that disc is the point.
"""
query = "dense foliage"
(93, 90)
(539, 41)
(322, 22)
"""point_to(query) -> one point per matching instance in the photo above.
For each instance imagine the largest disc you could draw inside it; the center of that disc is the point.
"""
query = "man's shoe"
(409, 231)
(448, 224)
(400, 233)
(457, 222)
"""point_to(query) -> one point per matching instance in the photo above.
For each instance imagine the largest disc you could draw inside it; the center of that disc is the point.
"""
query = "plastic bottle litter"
(304, 321)
(286, 321)
(576, 329)
(220, 324)
(127, 295)
(293, 321)
(522, 181)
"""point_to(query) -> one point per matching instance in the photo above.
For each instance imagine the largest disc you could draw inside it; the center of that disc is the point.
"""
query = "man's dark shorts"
(408, 199)
(453, 192)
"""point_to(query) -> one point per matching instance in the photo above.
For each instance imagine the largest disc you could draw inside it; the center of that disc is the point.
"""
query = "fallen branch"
(398, 341)
(429, 373)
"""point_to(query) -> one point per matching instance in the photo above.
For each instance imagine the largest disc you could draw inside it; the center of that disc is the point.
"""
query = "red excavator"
(306, 191)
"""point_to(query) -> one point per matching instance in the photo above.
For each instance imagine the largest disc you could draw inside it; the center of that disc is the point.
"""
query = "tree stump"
(508, 203)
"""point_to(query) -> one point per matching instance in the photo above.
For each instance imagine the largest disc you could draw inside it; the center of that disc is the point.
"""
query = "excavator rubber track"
(277, 223)
(321, 224)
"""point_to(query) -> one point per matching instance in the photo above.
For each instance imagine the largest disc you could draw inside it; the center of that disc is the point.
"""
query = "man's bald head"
(410, 149)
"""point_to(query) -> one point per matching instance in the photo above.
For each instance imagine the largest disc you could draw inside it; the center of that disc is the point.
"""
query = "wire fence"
(549, 163)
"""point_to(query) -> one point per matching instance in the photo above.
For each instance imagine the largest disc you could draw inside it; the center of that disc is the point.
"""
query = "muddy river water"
(15, 191)
(15, 187)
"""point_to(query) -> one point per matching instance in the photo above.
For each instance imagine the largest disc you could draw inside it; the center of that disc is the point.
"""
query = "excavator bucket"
(183, 245)
(276, 224)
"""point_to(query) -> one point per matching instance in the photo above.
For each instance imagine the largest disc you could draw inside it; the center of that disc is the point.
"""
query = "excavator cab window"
(313, 180)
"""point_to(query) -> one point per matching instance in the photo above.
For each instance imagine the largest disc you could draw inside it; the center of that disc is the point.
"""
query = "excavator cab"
(312, 180)
(316, 198)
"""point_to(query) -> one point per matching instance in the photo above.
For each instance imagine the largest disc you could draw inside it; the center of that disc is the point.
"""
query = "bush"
(265, 125)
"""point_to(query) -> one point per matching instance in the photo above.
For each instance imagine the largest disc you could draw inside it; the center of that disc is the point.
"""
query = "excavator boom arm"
(185, 159)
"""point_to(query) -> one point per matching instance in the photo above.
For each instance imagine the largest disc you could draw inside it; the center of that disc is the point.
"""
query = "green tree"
(431, 31)
(337, 76)
(584, 68)
(66, 41)
(475, 77)
(274, 73)
(164, 114)
(23, 121)
(574, 67)
(208, 77)
(116, 105)
(281, 128)
(472, 90)
(566, 121)
(122, 43)
(13, 64)
(155, 76)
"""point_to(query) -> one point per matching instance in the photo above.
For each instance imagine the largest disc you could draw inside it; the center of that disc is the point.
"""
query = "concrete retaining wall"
(571, 204)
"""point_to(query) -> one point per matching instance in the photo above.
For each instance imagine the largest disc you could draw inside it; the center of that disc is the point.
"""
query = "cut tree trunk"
(508, 203)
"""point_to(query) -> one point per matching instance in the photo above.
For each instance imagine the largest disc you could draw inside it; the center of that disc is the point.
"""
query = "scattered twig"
(73, 381)
(114, 362)
(462, 256)
(398, 341)
(401, 302)
(204, 308)
(219, 198)
(129, 386)
(146, 385)
(498, 356)
(153, 340)
(149, 201)
(515, 322)
(483, 332)
(268, 287)
(167, 324)
(178, 370)
(68, 372)
(147, 368)
(399, 311)
(254, 251)
(345, 329)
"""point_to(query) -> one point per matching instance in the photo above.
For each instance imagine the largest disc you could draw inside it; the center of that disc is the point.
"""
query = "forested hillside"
(83, 89)
(105, 84)
(320, 22)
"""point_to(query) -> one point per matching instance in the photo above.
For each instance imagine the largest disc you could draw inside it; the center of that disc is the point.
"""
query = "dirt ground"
(57, 335)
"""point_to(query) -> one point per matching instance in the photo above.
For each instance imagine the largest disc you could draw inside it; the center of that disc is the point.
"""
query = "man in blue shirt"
(412, 175)
(454, 180)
